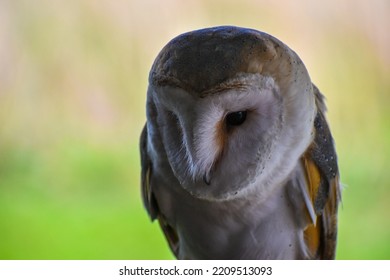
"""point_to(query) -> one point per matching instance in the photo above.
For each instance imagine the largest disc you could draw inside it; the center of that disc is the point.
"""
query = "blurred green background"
(73, 78)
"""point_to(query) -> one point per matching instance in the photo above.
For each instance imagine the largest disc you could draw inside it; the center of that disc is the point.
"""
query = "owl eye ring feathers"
(236, 118)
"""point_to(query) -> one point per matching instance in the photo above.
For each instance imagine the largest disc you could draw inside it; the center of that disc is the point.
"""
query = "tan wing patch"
(313, 177)
(313, 232)
(320, 163)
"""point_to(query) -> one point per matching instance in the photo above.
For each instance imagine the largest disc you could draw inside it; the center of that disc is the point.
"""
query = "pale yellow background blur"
(73, 79)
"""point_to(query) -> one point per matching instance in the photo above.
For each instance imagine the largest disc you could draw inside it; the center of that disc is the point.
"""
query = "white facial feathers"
(202, 150)
(254, 95)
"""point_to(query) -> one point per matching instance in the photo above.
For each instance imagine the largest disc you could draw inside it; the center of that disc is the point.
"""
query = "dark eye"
(236, 118)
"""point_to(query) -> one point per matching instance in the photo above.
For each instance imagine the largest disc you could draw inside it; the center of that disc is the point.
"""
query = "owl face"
(227, 133)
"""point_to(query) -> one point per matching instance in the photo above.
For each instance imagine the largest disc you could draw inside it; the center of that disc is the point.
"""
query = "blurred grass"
(80, 207)
(73, 79)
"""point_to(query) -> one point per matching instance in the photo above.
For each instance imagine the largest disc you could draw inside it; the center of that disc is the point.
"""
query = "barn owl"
(238, 161)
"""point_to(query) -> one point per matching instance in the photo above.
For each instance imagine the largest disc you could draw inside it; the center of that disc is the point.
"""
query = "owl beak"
(207, 178)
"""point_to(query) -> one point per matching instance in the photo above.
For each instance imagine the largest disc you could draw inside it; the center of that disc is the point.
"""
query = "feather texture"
(268, 189)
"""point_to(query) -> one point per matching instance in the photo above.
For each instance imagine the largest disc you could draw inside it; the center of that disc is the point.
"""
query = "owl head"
(234, 110)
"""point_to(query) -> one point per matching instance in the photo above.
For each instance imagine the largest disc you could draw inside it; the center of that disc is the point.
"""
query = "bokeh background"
(73, 77)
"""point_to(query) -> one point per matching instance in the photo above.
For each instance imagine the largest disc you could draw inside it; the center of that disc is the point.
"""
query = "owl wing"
(148, 197)
(323, 187)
